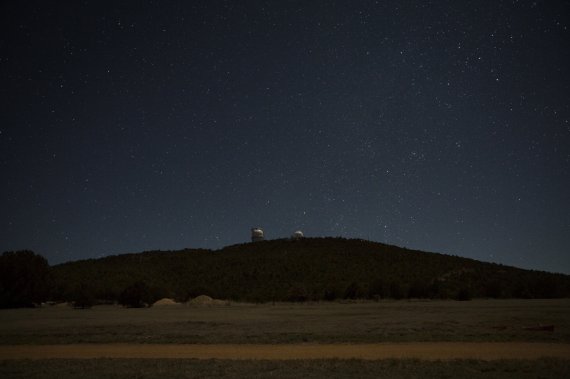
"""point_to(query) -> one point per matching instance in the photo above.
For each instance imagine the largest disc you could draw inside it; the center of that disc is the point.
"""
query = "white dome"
(298, 234)
(257, 232)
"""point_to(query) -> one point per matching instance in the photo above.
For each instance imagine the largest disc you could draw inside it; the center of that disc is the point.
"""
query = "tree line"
(311, 269)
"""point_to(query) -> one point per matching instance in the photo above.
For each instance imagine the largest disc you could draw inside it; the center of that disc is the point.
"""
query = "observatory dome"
(297, 235)
(256, 234)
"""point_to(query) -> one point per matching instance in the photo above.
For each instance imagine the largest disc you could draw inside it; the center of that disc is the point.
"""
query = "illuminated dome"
(256, 234)
(297, 235)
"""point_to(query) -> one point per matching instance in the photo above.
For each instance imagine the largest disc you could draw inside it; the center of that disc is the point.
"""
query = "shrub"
(377, 290)
(396, 291)
(418, 290)
(494, 290)
(464, 294)
(297, 294)
(353, 291)
(330, 294)
(82, 297)
(137, 295)
(24, 279)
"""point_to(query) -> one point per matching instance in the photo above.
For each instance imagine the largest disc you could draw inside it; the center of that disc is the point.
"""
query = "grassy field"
(175, 368)
(391, 321)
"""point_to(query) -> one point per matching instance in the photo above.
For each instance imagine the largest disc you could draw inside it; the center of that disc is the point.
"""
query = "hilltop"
(301, 270)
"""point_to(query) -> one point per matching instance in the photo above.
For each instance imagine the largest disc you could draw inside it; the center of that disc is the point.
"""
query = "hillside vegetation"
(301, 270)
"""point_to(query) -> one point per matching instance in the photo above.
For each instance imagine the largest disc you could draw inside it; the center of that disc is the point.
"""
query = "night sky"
(441, 126)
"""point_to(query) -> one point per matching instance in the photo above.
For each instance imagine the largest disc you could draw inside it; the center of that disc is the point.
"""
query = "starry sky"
(435, 125)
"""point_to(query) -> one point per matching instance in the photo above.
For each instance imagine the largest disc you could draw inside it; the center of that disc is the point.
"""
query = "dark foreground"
(192, 368)
(380, 351)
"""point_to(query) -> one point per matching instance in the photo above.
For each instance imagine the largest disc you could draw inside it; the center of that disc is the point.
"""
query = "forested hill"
(306, 269)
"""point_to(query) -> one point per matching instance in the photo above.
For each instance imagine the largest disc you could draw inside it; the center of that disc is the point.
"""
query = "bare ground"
(413, 350)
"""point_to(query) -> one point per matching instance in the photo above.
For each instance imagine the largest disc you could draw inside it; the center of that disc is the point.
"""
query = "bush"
(297, 294)
(137, 295)
(24, 279)
(377, 290)
(418, 290)
(494, 290)
(330, 294)
(82, 297)
(354, 291)
(463, 295)
(396, 291)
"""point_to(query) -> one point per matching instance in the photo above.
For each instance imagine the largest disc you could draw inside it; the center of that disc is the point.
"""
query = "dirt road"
(416, 350)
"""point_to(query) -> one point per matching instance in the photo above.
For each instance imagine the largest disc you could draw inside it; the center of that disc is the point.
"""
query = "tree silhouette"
(137, 295)
(24, 279)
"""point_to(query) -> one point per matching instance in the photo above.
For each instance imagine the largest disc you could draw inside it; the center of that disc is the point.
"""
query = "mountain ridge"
(307, 269)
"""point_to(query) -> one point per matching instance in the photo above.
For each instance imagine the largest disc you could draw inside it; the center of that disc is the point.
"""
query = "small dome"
(256, 234)
(297, 235)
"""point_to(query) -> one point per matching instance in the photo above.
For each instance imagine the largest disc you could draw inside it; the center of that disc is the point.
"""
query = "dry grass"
(394, 321)
(430, 351)
(175, 368)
